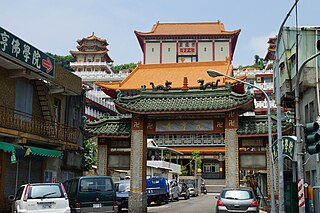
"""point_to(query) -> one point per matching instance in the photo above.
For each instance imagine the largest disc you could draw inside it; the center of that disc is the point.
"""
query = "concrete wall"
(204, 51)
(152, 53)
(169, 52)
(221, 50)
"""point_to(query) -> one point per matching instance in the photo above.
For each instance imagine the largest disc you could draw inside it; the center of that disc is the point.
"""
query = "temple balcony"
(251, 73)
(102, 104)
(78, 64)
(100, 76)
(264, 86)
(14, 122)
(263, 104)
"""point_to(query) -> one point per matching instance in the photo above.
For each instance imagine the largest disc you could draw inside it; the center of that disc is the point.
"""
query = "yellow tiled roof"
(92, 37)
(201, 28)
(143, 74)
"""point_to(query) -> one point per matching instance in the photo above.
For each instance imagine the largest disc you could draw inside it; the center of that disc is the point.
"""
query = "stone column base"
(138, 202)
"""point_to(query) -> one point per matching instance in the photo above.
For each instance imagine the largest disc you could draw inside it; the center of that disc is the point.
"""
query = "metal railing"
(24, 122)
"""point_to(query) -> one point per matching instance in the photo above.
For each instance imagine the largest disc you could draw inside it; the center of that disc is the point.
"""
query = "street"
(202, 203)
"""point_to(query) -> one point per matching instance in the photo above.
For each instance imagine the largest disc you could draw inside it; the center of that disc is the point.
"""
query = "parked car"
(193, 190)
(184, 191)
(91, 194)
(173, 190)
(40, 197)
(237, 199)
(122, 193)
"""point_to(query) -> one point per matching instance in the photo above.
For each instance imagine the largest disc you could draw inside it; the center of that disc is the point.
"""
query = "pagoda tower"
(92, 55)
(92, 65)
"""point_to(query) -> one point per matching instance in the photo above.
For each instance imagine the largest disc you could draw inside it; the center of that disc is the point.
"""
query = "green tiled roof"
(258, 125)
(177, 101)
(112, 126)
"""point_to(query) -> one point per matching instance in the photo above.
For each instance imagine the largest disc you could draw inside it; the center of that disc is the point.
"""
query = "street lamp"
(214, 73)
(279, 125)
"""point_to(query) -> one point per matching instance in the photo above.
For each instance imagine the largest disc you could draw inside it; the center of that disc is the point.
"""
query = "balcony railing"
(24, 122)
(107, 104)
(100, 75)
(175, 168)
(263, 104)
(251, 72)
(264, 86)
(88, 64)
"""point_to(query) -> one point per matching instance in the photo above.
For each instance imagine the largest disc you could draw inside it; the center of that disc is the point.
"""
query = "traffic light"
(312, 137)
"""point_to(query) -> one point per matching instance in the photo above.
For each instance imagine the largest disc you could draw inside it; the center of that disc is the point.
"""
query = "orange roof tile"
(201, 28)
(143, 74)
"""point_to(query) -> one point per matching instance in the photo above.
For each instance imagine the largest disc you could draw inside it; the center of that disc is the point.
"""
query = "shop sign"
(288, 147)
(25, 54)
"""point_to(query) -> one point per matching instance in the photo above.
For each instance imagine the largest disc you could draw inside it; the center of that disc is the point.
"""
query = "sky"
(54, 26)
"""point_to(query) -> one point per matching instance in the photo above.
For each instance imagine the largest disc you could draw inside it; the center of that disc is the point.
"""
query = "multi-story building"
(41, 106)
(187, 42)
(309, 105)
(92, 64)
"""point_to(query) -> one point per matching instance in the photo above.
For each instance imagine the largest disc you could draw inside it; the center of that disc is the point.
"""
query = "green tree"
(119, 67)
(64, 61)
(184, 171)
(89, 159)
(195, 157)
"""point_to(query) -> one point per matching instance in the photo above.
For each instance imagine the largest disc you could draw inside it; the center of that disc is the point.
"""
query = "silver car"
(237, 200)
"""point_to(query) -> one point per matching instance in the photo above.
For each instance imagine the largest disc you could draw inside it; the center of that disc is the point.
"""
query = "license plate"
(47, 206)
(96, 205)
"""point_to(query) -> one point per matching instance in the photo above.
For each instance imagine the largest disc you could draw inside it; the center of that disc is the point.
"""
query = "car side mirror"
(11, 198)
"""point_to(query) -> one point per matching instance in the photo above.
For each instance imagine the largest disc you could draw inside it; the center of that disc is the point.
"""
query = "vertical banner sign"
(21, 52)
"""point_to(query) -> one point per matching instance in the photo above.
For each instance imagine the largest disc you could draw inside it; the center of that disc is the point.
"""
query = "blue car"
(122, 193)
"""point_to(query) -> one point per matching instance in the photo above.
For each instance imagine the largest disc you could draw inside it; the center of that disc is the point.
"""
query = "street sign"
(25, 54)
(288, 147)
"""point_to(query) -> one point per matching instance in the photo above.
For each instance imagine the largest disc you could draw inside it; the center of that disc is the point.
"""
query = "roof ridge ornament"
(185, 84)
(161, 87)
(213, 84)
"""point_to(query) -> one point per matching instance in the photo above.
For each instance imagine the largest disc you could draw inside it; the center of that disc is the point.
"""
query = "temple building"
(187, 42)
(92, 63)
(173, 100)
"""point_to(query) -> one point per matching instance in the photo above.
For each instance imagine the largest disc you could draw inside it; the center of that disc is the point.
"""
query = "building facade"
(40, 118)
(308, 87)
(187, 42)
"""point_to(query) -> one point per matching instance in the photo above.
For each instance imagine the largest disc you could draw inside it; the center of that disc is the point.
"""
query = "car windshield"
(237, 194)
(123, 187)
(45, 191)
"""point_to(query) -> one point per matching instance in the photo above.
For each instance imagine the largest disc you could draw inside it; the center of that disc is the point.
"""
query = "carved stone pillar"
(231, 149)
(138, 167)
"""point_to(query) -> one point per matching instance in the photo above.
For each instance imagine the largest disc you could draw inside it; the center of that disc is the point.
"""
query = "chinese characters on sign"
(25, 54)
(288, 146)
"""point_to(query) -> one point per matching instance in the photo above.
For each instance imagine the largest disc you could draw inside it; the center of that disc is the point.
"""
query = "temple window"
(205, 49)
(168, 49)
(152, 49)
(88, 69)
(221, 48)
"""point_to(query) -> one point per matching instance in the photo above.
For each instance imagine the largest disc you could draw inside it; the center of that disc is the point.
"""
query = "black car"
(122, 193)
(184, 190)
